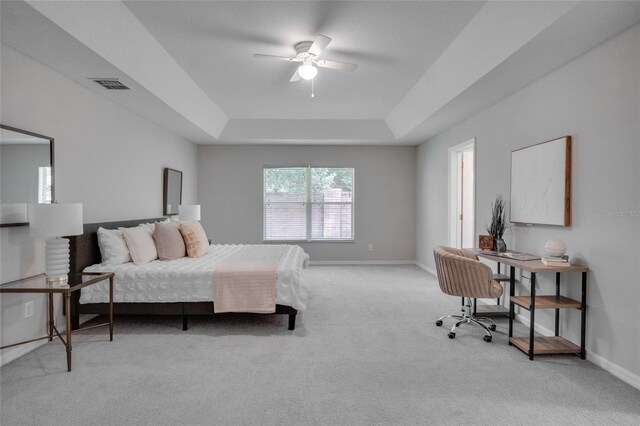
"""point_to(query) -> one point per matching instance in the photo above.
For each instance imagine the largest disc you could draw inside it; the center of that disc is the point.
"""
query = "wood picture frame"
(541, 183)
(172, 193)
(485, 242)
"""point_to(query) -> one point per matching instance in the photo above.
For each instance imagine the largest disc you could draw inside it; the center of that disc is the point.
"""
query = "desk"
(543, 345)
(38, 284)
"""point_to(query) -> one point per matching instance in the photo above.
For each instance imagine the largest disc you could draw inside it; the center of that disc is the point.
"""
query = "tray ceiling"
(422, 66)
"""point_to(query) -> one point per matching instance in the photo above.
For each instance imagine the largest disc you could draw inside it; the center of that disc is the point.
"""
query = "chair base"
(467, 317)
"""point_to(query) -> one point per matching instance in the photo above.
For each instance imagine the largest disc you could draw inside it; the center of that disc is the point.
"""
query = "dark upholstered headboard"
(84, 250)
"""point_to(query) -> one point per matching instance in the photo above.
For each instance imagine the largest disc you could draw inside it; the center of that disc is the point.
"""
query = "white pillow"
(140, 243)
(113, 247)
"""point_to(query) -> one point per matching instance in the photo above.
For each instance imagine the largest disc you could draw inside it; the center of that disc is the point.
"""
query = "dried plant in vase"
(498, 223)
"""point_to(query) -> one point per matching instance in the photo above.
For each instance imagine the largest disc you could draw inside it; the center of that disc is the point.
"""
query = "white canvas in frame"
(541, 183)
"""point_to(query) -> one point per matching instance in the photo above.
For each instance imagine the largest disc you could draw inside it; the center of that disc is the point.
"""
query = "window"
(44, 185)
(308, 204)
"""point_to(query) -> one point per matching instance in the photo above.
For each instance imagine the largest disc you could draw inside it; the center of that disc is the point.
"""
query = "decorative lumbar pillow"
(113, 247)
(140, 243)
(195, 238)
(169, 241)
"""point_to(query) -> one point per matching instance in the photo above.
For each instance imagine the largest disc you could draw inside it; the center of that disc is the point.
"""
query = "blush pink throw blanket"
(246, 281)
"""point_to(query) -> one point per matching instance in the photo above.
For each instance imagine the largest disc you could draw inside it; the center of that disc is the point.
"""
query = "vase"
(501, 246)
(555, 248)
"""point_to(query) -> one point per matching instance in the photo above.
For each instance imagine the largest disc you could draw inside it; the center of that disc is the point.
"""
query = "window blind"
(308, 204)
(44, 185)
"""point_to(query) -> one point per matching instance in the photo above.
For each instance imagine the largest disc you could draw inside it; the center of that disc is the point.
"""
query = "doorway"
(462, 195)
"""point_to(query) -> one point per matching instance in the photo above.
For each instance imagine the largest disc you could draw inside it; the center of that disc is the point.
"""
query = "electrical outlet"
(370, 247)
(28, 309)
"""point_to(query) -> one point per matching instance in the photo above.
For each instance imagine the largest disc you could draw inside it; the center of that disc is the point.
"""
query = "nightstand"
(38, 284)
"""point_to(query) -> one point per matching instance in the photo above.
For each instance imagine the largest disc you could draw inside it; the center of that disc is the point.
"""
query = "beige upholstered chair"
(460, 273)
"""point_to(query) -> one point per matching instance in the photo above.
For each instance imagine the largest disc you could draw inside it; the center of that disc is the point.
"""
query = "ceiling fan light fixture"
(307, 71)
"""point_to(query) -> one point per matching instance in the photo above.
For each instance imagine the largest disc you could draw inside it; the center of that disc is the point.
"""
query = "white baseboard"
(373, 262)
(540, 329)
(426, 268)
(16, 352)
(362, 262)
(621, 373)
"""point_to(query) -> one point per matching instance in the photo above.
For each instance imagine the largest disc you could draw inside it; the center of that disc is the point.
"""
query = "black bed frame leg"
(292, 321)
(184, 317)
(75, 314)
(75, 321)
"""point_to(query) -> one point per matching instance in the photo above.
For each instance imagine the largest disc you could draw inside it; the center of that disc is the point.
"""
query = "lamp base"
(57, 261)
(57, 280)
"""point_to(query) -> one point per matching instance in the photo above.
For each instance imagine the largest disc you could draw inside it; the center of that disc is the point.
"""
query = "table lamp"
(189, 213)
(53, 221)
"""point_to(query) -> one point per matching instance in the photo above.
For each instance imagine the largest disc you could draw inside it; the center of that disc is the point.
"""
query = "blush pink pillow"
(169, 241)
(195, 238)
(140, 243)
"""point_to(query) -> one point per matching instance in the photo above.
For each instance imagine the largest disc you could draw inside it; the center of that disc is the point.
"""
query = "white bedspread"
(190, 280)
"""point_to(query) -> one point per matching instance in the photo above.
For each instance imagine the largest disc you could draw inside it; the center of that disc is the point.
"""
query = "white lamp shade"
(55, 220)
(13, 213)
(307, 71)
(189, 212)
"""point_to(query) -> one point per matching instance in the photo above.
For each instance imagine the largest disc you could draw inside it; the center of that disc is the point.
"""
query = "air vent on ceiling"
(110, 83)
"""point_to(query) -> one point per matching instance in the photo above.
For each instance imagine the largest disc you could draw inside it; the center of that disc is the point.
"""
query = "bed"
(180, 287)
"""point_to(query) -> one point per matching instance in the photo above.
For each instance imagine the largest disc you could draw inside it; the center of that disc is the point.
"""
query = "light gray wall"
(106, 157)
(596, 100)
(230, 192)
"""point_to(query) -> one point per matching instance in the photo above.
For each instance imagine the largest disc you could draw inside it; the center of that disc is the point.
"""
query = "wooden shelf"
(546, 345)
(546, 302)
(491, 310)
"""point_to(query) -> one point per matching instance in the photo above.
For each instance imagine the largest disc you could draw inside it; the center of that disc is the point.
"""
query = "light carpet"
(366, 351)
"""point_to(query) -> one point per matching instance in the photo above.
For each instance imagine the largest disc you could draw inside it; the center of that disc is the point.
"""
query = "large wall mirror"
(172, 191)
(26, 173)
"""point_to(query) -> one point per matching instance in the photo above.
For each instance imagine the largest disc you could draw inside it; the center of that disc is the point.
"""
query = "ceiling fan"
(307, 54)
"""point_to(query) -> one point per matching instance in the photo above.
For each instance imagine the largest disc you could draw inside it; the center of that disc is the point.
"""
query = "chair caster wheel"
(487, 338)
(438, 323)
(492, 327)
(451, 335)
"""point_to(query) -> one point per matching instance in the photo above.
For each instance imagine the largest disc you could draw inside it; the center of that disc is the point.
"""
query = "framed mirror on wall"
(26, 173)
(172, 194)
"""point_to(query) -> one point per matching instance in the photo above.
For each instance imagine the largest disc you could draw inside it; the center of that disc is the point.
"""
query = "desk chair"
(461, 274)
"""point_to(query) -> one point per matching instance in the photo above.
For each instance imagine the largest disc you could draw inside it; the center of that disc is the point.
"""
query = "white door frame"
(453, 187)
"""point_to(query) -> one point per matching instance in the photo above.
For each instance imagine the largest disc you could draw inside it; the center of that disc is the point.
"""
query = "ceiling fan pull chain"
(313, 95)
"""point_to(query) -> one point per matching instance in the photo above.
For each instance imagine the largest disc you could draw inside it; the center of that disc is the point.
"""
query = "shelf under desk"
(546, 345)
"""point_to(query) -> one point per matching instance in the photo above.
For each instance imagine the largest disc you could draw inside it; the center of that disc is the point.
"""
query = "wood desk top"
(529, 265)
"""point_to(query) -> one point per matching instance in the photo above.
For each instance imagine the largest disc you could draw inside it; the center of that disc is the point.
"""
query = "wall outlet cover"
(28, 309)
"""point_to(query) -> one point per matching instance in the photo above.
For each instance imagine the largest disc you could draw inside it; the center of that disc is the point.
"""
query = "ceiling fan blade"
(319, 44)
(295, 76)
(282, 58)
(336, 65)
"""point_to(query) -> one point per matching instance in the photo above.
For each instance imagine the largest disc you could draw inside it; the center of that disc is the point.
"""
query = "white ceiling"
(422, 66)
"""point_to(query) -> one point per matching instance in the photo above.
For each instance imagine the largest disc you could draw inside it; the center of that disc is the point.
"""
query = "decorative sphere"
(555, 248)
